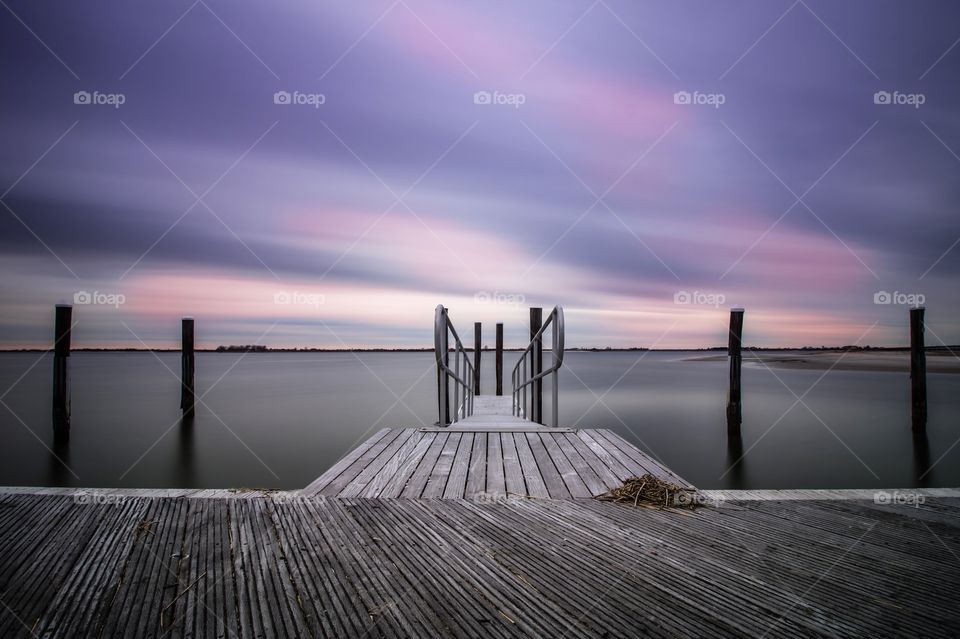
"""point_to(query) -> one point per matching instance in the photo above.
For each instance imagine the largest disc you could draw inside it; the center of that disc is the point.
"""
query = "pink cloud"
(487, 54)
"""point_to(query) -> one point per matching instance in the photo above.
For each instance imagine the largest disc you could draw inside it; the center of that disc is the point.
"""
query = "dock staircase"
(520, 411)
(491, 447)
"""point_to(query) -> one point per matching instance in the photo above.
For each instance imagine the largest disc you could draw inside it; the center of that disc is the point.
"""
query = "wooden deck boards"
(488, 529)
(453, 464)
(259, 564)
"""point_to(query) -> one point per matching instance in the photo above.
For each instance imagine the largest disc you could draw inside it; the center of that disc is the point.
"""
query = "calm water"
(279, 420)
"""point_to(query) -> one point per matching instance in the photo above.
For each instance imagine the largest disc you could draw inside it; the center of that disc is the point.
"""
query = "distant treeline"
(257, 348)
(848, 348)
(260, 348)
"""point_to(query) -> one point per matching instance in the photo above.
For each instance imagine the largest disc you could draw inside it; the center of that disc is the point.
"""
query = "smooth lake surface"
(278, 420)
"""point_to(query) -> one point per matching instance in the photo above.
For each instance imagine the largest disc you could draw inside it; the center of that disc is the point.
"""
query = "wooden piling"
(734, 346)
(499, 364)
(477, 348)
(187, 361)
(536, 365)
(918, 371)
(61, 368)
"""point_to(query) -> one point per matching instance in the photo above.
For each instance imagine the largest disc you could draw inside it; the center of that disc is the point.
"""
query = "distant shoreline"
(939, 360)
(710, 349)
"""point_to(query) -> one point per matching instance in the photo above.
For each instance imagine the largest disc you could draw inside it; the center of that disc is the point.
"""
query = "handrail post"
(467, 384)
(477, 352)
(918, 371)
(456, 386)
(536, 364)
(440, 344)
(500, 358)
(439, 380)
(555, 399)
(523, 380)
(516, 391)
(446, 363)
(444, 387)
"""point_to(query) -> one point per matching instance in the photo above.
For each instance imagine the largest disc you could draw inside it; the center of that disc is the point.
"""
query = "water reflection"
(309, 410)
(735, 460)
(921, 459)
(186, 469)
(59, 469)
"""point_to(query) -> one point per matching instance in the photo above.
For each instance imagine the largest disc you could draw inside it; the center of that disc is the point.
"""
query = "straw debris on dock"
(651, 491)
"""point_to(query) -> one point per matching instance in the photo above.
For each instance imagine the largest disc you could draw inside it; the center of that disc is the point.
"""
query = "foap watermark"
(99, 298)
(899, 299)
(498, 297)
(699, 298)
(916, 100)
(299, 98)
(298, 298)
(498, 98)
(116, 100)
(898, 498)
(690, 499)
(699, 99)
(84, 498)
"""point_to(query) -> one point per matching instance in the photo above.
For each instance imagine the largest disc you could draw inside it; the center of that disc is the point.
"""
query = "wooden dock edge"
(496, 428)
(103, 494)
(823, 494)
(852, 494)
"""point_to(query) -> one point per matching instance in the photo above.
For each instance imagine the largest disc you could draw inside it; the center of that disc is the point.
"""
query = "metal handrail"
(461, 375)
(522, 378)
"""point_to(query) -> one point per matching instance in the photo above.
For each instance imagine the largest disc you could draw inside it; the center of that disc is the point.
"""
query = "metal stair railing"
(460, 376)
(531, 378)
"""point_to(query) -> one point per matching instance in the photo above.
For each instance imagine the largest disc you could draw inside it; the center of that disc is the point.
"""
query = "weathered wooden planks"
(255, 564)
(348, 460)
(453, 464)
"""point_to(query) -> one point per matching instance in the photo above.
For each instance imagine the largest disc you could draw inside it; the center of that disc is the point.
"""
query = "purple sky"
(585, 182)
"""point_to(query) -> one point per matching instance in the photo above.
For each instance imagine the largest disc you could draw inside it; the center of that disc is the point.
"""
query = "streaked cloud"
(598, 190)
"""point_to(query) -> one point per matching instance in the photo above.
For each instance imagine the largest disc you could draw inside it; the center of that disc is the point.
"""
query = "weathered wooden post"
(499, 358)
(61, 369)
(187, 360)
(918, 371)
(734, 345)
(477, 348)
(536, 365)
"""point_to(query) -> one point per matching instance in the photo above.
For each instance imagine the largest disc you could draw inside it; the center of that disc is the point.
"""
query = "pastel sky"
(620, 158)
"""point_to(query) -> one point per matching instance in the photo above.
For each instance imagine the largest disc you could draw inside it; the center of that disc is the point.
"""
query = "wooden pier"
(253, 564)
(482, 529)
(483, 526)
(490, 454)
